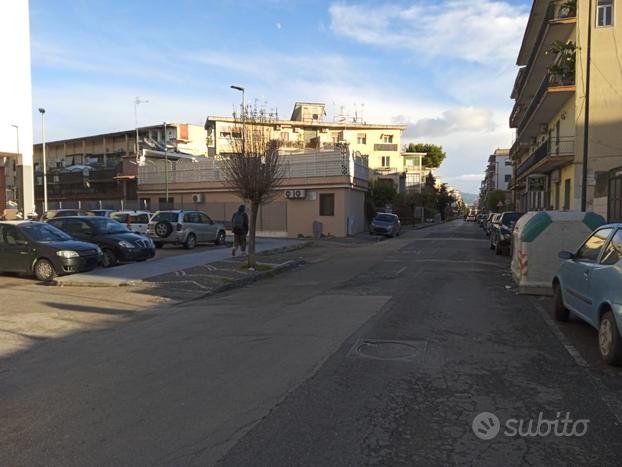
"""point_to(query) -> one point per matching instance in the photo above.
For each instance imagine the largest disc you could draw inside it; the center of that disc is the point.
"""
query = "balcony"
(558, 23)
(385, 147)
(551, 96)
(550, 155)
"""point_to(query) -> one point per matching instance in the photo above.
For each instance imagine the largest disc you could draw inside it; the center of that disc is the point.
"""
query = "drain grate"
(388, 349)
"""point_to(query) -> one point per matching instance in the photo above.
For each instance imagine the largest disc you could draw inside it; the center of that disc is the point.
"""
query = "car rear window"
(509, 218)
(165, 217)
(385, 218)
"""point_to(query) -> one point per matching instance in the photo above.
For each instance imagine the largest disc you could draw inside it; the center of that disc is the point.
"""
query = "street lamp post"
(137, 102)
(166, 166)
(44, 161)
(243, 114)
(17, 136)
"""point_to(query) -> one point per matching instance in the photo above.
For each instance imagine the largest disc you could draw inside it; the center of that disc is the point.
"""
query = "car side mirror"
(566, 255)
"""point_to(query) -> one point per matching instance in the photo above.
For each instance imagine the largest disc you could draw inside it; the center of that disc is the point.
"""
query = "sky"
(445, 67)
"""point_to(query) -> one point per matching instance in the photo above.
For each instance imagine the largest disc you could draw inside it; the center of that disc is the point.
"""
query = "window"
(604, 13)
(205, 218)
(327, 204)
(592, 247)
(387, 139)
(192, 218)
(361, 138)
(508, 162)
(163, 204)
(508, 178)
(613, 253)
(386, 161)
(566, 195)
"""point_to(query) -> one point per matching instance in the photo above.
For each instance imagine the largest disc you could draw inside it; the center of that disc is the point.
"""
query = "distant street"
(376, 353)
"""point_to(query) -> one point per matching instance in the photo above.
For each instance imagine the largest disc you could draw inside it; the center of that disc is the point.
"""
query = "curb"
(141, 282)
(244, 281)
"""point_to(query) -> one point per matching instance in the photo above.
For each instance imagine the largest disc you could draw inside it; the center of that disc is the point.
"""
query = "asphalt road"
(381, 354)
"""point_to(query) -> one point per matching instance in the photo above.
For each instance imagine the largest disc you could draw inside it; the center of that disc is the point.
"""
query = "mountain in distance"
(469, 198)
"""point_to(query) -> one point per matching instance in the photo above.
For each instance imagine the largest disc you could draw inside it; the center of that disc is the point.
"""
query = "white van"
(136, 221)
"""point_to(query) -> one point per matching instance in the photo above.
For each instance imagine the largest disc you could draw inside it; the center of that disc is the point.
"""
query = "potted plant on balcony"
(562, 71)
(568, 9)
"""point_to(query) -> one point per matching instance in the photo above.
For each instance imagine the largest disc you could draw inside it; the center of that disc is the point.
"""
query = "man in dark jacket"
(239, 226)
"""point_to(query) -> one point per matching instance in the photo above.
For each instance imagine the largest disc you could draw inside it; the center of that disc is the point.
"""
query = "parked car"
(385, 224)
(43, 250)
(187, 228)
(501, 232)
(118, 244)
(136, 221)
(471, 218)
(589, 284)
(51, 214)
(481, 218)
(489, 222)
(101, 212)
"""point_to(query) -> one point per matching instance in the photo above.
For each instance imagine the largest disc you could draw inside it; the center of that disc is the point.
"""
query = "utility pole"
(586, 124)
(45, 168)
(137, 102)
(240, 88)
(166, 165)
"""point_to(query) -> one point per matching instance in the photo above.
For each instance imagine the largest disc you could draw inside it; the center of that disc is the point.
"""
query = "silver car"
(187, 228)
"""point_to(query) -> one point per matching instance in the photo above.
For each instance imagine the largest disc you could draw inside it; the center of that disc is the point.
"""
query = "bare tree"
(253, 168)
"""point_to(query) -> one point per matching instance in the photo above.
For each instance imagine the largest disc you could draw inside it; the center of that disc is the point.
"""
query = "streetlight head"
(41, 110)
(237, 88)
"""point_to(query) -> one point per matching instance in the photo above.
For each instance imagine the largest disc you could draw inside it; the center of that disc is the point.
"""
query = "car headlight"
(67, 254)
(126, 244)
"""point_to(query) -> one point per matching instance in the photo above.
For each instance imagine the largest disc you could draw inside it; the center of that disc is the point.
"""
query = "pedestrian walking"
(239, 223)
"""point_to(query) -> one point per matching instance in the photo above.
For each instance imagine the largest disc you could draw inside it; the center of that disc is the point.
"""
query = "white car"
(136, 221)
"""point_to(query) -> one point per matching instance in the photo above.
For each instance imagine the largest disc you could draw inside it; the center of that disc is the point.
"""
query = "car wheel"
(158, 244)
(110, 259)
(190, 242)
(44, 270)
(163, 229)
(220, 238)
(560, 311)
(609, 340)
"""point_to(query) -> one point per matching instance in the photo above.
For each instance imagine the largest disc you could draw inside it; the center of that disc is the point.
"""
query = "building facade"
(549, 114)
(322, 189)
(100, 171)
(16, 132)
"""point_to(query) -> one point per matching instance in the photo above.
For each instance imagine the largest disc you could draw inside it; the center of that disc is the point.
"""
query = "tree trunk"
(251, 237)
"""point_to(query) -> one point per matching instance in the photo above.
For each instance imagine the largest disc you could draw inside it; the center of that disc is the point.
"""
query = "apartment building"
(100, 171)
(307, 129)
(498, 174)
(551, 98)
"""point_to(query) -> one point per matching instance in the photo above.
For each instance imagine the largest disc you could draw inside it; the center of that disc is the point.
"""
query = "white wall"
(16, 90)
(502, 171)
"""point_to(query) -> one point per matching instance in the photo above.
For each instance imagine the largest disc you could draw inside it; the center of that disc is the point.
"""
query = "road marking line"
(401, 270)
(571, 349)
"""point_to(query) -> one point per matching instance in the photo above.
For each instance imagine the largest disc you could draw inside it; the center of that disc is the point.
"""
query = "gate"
(614, 211)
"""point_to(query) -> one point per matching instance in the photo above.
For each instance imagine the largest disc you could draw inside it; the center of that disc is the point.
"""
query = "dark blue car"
(589, 284)
(385, 224)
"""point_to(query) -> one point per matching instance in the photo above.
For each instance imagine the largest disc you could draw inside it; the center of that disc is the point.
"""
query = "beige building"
(322, 189)
(549, 113)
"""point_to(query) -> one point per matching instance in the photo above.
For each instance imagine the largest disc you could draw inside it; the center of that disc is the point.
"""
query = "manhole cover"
(389, 350)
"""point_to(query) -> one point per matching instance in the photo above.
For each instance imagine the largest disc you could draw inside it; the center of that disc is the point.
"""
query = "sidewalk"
(136, 273)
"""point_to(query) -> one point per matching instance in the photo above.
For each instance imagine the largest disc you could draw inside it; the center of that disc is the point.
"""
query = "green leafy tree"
(494, 198)
(383, 192)
(434, 155)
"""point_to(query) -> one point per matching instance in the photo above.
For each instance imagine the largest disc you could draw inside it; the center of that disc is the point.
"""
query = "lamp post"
(17, 136)
(243, 114)
(586, 124)
(137, 102)
(166, 166)
(44, 161)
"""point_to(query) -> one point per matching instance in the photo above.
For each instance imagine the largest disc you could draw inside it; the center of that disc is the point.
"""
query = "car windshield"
(108, 226)
(44, 233)
(384, 218)
(510, 217)
(165, 217)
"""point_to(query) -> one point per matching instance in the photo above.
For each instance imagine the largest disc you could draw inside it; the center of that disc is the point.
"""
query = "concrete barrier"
(537, 239)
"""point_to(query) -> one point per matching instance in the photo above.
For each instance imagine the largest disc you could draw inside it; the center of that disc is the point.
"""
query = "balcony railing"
(550, 148)
(557, 10)
(385, 147)
(548, 82)
(296, 166)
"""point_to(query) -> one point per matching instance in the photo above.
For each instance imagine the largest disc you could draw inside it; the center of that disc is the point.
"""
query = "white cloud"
(279, 25)
(467, 119)
(484, 31)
